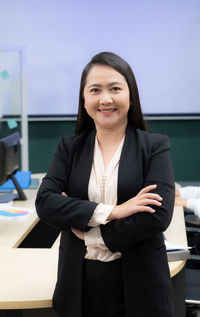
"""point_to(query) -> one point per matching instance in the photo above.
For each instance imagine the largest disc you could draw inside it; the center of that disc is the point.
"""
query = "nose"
(105, 98)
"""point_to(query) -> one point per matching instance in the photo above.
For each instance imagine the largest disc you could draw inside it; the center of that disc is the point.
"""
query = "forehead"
(102, 74)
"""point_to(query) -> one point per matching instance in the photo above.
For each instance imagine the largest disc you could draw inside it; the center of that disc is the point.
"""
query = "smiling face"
(107, 97)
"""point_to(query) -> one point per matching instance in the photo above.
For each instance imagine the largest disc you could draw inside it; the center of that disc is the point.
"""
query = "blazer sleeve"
(60, 211)
(123, 233)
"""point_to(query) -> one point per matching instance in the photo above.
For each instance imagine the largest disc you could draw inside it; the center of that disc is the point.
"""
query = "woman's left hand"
(79, 234)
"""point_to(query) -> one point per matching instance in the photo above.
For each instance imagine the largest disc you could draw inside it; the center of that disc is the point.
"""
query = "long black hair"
(135, 117)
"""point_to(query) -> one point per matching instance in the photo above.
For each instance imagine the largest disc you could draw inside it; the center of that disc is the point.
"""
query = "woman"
(110, 190)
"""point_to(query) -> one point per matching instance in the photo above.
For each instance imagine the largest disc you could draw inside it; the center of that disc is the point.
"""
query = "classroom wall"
(184, 137)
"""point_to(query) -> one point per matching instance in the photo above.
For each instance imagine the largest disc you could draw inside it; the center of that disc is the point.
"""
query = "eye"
(95, 90)
(115, 89)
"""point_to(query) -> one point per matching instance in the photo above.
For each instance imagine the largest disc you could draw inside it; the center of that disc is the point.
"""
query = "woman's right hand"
(139, 203)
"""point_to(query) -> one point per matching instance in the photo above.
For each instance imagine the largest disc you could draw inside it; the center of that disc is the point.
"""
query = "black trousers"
(103, 289)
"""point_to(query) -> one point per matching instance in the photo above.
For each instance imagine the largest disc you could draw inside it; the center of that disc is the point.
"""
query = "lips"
(106, 110)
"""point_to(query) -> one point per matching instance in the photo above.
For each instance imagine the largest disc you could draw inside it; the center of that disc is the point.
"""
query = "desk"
(28, 276)
(13, 233)
(176, 233)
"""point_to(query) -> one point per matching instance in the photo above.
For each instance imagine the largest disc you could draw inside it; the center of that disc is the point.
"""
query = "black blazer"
(144, 160)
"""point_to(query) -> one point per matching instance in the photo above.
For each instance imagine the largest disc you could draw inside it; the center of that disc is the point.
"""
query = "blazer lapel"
(129, 175)
(81, 167)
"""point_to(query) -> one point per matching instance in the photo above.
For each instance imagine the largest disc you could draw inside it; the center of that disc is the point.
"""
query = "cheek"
(85, 98)
(124, 102)
(89, 102)
(86, 102)
(128, 99)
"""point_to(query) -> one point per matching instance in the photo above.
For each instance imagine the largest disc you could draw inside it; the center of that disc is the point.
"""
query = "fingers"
(64, 194)
(151, 196)
(146, 194)
(79, 234)
(145, 202)
(145, 209)
(147, 189)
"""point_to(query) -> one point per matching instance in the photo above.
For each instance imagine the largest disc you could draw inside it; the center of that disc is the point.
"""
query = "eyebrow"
(111, 84)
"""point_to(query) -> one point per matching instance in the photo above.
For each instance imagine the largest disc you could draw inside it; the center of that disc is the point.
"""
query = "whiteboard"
(159, 39)
(10, 82)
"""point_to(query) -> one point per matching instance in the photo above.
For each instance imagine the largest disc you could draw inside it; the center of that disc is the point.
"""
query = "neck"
(111, 136)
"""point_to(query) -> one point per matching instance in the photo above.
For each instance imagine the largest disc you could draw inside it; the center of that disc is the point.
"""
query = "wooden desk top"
(176, 233)
(12, 233)
(28, 276)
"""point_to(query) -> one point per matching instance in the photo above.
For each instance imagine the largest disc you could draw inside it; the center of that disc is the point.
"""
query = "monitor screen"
(9, 156)
(9, 164)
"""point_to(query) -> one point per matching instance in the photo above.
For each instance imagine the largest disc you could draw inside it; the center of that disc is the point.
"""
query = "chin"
(110, 125)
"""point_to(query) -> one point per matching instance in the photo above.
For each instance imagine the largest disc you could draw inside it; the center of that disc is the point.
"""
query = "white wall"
(160, 40)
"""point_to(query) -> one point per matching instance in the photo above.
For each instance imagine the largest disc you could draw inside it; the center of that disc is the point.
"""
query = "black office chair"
(193, 234)
(192, 284)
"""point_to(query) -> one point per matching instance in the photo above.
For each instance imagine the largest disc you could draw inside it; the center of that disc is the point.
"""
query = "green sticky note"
(12, 123)
(4, 74)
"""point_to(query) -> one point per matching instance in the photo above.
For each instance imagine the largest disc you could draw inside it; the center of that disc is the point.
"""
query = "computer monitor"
(9, 164)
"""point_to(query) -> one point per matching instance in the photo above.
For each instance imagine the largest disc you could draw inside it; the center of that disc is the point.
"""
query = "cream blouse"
(103, 190)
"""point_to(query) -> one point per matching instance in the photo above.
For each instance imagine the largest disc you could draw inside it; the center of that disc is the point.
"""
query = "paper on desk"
(11, 213)
(6, 205)
(175, 247)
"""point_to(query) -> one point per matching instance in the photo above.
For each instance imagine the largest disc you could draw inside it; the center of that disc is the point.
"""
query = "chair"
(192, 276)
(193, 232)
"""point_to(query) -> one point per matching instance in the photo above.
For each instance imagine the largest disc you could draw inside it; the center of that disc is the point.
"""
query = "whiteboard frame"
(24, 116)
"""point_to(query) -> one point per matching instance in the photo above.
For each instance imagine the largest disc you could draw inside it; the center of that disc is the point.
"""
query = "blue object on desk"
(34, 183)
(23, 178)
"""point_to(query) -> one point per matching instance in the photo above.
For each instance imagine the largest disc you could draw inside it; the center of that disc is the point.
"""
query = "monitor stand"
(6, 198)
